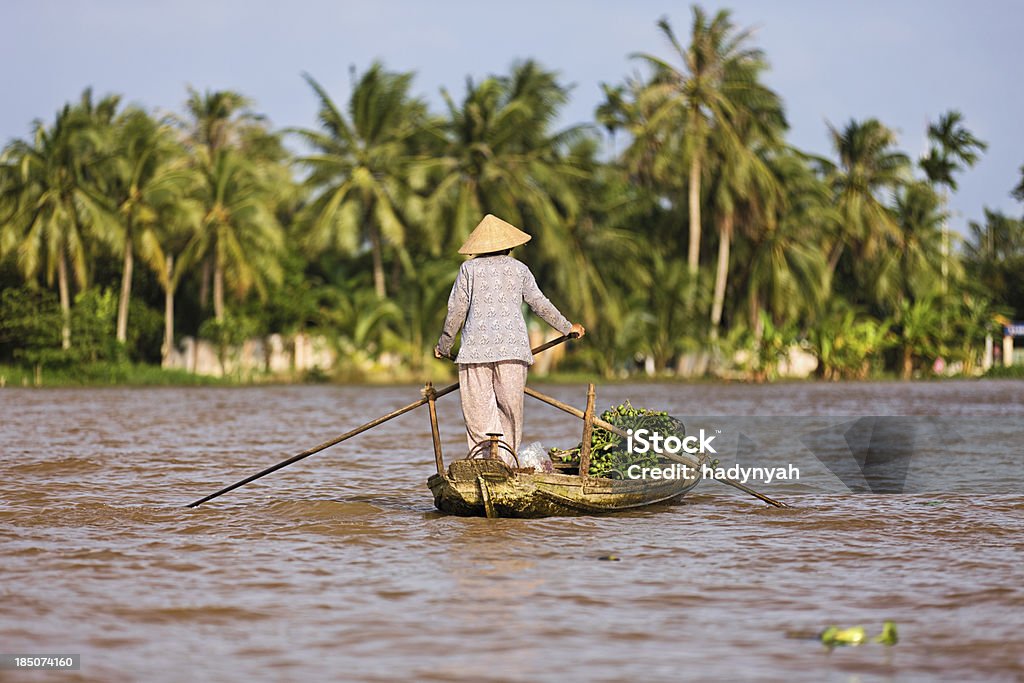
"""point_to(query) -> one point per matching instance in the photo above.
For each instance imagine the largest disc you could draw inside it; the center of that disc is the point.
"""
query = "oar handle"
(555, 342)
(543, 347)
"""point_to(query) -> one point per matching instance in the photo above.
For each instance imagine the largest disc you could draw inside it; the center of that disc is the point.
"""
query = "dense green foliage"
(703, 234)
(609, 455)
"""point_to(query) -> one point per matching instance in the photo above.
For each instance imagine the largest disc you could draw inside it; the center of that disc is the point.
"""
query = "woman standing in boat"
(486, 302)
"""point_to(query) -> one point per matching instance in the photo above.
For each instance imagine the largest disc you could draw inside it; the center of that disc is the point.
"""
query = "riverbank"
(124, 374)
(106, 374)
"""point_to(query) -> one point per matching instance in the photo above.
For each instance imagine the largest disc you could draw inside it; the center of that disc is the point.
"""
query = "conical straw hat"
(493, 234)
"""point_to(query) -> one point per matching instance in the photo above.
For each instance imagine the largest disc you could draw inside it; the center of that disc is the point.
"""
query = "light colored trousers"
(492, 401)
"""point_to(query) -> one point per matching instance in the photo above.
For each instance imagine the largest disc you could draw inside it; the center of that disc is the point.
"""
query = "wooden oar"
(358, 430)
(621, 432)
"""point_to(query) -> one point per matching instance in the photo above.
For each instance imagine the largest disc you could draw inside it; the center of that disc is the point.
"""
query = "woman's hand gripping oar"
(358, 430)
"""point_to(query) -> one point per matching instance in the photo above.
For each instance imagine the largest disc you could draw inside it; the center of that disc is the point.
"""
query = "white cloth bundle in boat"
(536, 456)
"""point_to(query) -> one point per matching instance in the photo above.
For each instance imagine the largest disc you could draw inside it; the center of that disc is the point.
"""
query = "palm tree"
(359, 167)
(154, 191)
(953, 148)
(920, 253)
(785, 271)
(140, 185)
(240, 234)
(603, 275)
(53, 197)
(500, 156)
(597, 259)
(1000, 238)
(745, 183)
(8, 202)
(714, 82)
(786, 275)
(165, 245)
(868, 165)
(216, 120)
(625, 108)
(911, 274)
(994, 257)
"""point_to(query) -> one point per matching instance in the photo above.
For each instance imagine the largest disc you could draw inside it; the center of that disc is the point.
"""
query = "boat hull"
(489, 488)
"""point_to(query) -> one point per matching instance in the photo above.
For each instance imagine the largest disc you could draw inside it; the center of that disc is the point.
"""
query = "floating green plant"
(856, 635)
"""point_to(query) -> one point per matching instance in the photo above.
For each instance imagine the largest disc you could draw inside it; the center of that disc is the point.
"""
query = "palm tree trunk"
(378, 264)
(218, 289)
(756, 324)
(945, 255)
(165, 350)
(126, 290)
(833, 259)
(722, 273)
(204, 282)
(396, 274)
(693, 254)
(907, 371)
(65, 299)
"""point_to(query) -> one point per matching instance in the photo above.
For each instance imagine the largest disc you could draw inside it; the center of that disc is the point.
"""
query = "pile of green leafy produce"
(609, 456)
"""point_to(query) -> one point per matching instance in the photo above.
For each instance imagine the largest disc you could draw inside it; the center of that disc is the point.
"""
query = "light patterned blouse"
(488, 297)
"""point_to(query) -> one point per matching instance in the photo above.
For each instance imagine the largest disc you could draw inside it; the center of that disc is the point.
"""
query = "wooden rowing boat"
(482, 484)
(478, 487)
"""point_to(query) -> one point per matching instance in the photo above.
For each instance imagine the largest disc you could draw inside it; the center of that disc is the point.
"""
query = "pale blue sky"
(902, 61)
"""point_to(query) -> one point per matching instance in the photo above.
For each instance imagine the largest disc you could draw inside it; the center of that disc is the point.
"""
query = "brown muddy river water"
(339, 568)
